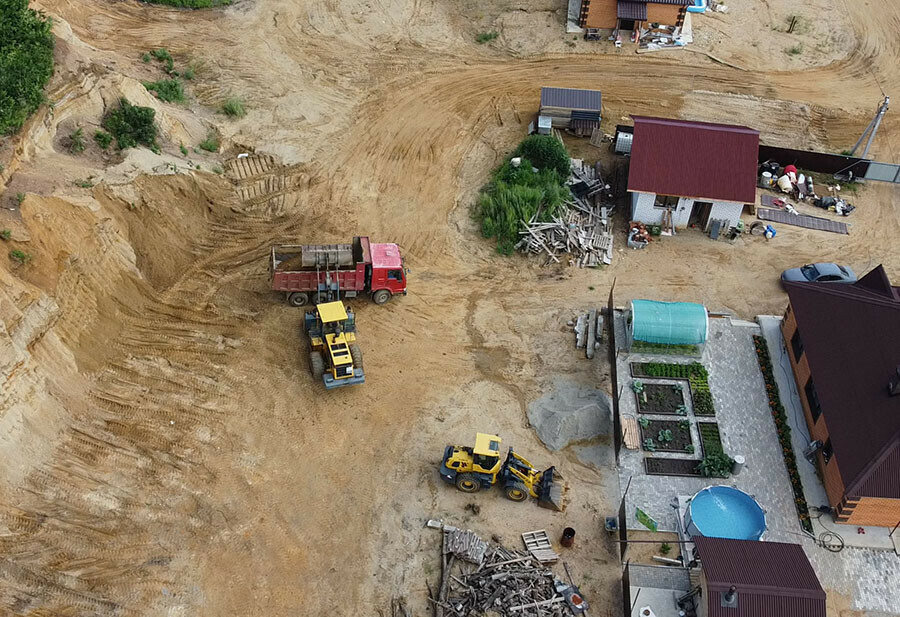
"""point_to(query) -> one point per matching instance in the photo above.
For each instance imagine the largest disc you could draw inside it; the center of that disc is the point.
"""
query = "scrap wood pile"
(505, 582)
(580, 230)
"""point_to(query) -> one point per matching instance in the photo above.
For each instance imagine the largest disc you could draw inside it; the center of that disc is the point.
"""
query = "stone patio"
(870, 577)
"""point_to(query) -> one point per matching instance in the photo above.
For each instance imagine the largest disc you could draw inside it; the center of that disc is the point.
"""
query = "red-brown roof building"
(750, 578)
(843, 342)
(631, 15)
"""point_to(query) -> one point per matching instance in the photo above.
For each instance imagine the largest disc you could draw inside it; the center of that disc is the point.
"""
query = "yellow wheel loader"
(474, 468)
(334, 356)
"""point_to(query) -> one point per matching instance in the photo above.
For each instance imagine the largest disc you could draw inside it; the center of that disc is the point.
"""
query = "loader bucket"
(552, 491)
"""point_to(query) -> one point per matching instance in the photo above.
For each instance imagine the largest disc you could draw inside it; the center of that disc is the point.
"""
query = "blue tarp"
(669, 323)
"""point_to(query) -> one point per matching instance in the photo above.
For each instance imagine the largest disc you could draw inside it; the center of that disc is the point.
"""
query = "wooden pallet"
(538, 544)
(631, 434)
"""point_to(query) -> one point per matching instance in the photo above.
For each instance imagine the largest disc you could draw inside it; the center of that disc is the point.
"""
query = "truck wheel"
(298, 298)
(316, 364)
(356, 354)
(468, 483)
(381, 296)
(516, 492)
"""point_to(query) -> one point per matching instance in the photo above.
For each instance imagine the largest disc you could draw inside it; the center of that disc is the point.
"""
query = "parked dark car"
(819, 273)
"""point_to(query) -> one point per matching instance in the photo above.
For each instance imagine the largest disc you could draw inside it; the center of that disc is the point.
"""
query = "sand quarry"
(164, 448)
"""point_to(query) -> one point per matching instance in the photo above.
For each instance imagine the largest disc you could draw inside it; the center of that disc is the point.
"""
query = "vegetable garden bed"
(695, 373)
(667, 436)
(662, 399)
(710, 439)
(671, 467)
(783, 430)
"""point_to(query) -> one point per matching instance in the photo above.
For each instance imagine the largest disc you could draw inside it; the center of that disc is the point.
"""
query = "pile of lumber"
(508, 583)
(465, 544)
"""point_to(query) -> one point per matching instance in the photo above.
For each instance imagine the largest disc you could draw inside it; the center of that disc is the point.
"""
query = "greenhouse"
(667, 327)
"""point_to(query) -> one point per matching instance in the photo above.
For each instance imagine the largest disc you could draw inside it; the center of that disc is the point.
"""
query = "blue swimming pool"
(725, 512)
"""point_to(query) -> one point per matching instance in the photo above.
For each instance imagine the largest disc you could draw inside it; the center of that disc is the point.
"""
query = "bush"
(20, 256)
(486, 37)
(76, 141)
(665, 548)
(163, 55)
(545, 152)
(132, 125)
(234, 108)
(210, 144)
(103, 139)
(716, 464)
(168, 90)
(26, 62)
(6, 234)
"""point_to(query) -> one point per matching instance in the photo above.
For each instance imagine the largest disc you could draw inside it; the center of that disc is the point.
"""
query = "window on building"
(827, 450)
(665, 201)
(813, 399)
(797, 345)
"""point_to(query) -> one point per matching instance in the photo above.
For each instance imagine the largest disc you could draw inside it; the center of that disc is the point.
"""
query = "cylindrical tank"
(330, 255)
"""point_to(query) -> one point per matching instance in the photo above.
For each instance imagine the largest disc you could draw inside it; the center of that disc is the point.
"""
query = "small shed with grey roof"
(571, 108)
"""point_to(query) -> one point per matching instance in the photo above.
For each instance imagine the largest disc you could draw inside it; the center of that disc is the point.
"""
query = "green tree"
(26, 62)
(545, 152)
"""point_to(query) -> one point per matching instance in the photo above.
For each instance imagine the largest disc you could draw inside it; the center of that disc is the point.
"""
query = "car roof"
(828, 269)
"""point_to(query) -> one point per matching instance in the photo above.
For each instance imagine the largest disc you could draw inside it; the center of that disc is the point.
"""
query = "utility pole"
(873, 127)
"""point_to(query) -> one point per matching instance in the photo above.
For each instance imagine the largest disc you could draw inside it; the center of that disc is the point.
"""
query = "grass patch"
(26, 62)
(233, 107)
(165, 57)
(84, 184)
(517, 194)
(710, 438)
(183, 149)
(20, 256)
(486, 37)
(6, 234)
(132, 125)
(794, 50)
(20, 197)
(168, 90)
(103, 139)
(210, 144)
(188, 73)
(76, 141)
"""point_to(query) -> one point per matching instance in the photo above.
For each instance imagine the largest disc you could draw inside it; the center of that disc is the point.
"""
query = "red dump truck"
(324, 272)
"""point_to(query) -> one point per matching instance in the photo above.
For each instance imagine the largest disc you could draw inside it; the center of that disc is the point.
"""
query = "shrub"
(234, 108)
(76, 141)
(5, 234)
(486, 37)
(188, 73)
(163, 55)
(20, 256)
(168, 90)
(26, 62)
(715, 464)
(665, 548)
(210, 144)
(132, 125)
(183, 149)
(146, 57)
(545, 152)
(103, 139)
(20, 197)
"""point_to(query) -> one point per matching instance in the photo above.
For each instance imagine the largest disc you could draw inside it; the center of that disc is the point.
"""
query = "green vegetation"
(5, 234)
(132, 125)
(20, 197)
(664, 436)
(709, 436)
(715, 465)
(210, 144)
(518, 193)
(20, 256)
(26, 62)
(486, 37)
(103, 139)
(164, 56)
(217, 169)
(794, 50)
(76, 141)
(168, 90)
(233, 107)
(183, 149)
(188, 73)
(192, 4)
(649, 445)
(665, 548)
(644, 422)
(695, 373)
(85, 184)
(662, 348)
(146, 57)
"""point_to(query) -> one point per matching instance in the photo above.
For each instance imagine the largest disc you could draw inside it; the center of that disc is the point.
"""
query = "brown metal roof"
(572, 98)
(772, 579)
(851, 338)
(631, 10)
(715, 162)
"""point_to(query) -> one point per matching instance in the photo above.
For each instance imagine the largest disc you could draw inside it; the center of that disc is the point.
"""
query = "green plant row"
(695, 373)
(663, 348)
(783, 429)
(709, 436)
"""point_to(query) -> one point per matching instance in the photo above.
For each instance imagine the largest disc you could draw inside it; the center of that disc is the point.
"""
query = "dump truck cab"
(334, 355)
(475, 468)
(388, 275)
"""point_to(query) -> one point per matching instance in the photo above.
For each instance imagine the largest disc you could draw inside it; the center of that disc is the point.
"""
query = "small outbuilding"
(668, 327)
(571, 108)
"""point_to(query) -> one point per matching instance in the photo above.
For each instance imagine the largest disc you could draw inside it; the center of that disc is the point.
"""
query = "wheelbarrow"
(612, 524)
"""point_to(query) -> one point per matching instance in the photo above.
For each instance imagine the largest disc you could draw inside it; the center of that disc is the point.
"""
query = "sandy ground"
(165, 451)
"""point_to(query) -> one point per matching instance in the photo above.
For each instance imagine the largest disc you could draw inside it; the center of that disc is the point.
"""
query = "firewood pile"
(581, 229)
(506, 583)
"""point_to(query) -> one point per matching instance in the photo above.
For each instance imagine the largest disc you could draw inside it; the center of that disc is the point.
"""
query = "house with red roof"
(631, 15)
(686, 173)
(843, 342)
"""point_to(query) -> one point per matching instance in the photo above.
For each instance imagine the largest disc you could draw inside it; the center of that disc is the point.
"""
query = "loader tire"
(381, 296)
(356, 355)
(516, 492)
(298, 298)
(468, 483)
(316, 364)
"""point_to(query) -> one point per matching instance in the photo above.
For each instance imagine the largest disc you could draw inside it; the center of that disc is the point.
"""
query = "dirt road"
(166, 452)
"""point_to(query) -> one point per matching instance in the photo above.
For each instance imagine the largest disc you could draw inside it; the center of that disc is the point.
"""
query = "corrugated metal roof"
(771, 578)
(851, 338)
(631, 10)
(571, 98)
(702, 160)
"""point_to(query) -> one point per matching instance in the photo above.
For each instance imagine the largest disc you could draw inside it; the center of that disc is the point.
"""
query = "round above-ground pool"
(724, 512)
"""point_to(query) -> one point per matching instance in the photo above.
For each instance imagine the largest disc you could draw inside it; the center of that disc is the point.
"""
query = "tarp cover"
(669, 323)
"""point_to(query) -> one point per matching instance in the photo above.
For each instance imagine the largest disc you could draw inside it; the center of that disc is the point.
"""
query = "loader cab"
(486, 454)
